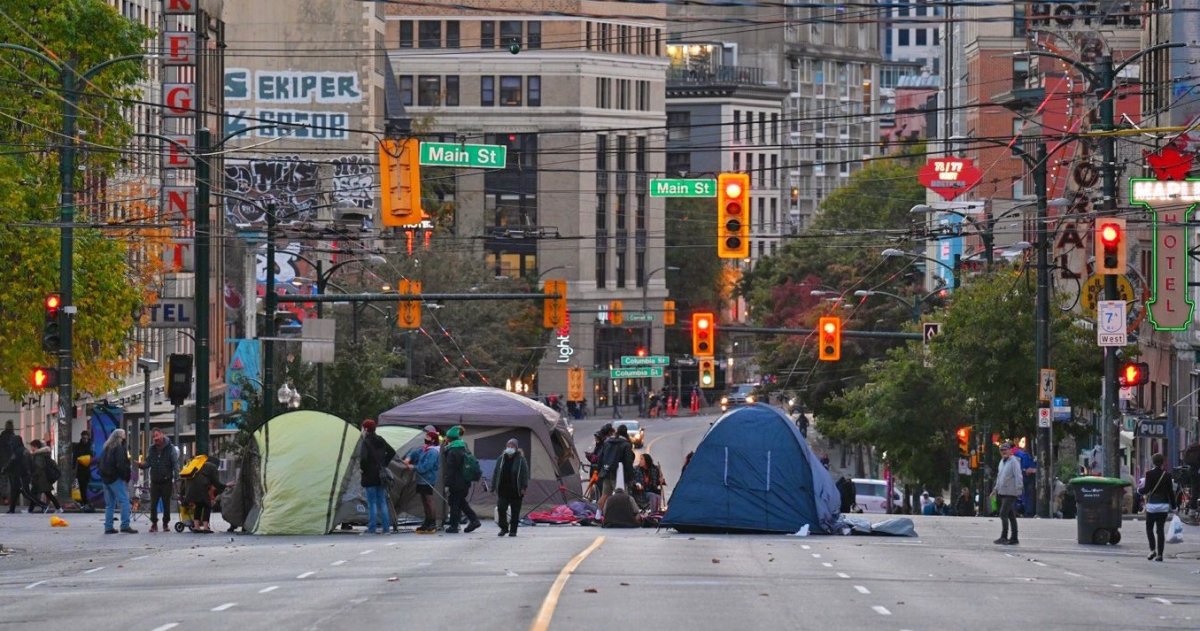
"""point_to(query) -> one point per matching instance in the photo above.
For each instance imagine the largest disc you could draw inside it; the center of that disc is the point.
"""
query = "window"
(679, 163)
(937, 37)
(429, 90)
(1020, 72)
(487, 90)
(902, 37)
(922, 37)
(588, 35)
(452, 40)
(533, 91)
(774, 171)
(487, 34)
(510, 31)
(452, 91)
(406, 90)
(429, 33)
(679, 125)
(762, 128)
(774, 128)
(510, 91)
(533, 35)
(737, 161)
(406, 33)
(737, 125)
(903, 10)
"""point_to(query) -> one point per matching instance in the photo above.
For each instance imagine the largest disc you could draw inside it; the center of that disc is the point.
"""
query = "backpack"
(52, 471)
(470, 468)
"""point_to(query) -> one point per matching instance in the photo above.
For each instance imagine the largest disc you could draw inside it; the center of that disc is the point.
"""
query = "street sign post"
(682, 188)
(1043, 417)
(652, 360)
(1110, 323)
(636, 373)
(450, 154)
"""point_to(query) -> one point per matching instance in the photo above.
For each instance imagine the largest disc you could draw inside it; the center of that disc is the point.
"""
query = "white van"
(871, 495)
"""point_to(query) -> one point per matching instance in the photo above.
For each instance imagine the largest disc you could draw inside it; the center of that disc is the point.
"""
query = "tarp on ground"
(753, 472)
(490, 417)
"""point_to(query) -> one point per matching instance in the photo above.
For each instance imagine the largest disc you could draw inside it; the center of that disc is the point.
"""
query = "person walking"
(510, 479)
(457, 485)
(81, 456)
(1159, 492)
(424, 462)
(162, 461)
(373, 461)
(616, 453)
(115, 471)
(1008, 489)
(42, 486)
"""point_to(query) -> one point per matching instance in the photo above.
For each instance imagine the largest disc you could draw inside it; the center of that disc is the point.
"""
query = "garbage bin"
(1098, 505)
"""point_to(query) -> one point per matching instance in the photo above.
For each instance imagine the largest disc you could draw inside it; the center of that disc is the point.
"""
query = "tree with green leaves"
(108, 284)
(691, 242)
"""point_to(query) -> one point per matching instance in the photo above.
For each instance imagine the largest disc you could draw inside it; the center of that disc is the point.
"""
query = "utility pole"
(1111, 416)
(203, 263)
(1042, 328)
(66, 266)
(270, 302)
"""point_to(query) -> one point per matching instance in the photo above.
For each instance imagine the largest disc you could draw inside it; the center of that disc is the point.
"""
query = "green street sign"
(682, 188)
(638, 316)
(636, 373)
(653, 360)
(450, 154)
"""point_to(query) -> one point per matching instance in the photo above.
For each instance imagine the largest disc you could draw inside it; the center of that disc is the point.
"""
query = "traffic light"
(51, 330)
(43, 377)
(408, 315)
(964, 441)
(615, 315)
(1110, 246)
(641, 351)
(733, 215)
(554, 310)
(400, 181)
(704, 330)
(669, 312)
(708, 373)
(829, 329)
(179, 378)
(1133, 374)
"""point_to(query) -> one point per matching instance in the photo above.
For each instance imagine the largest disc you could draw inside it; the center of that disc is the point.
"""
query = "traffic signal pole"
(1042, 329)
(1111, 416)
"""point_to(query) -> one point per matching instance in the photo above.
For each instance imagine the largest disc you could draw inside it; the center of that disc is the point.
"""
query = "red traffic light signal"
(703, 331)
(829, 343)
(43, 377)
(964, 440)
(641, 351)
(733, 215)
(53, 303)
(1110, 246)
(1133, 374)
(51, 329)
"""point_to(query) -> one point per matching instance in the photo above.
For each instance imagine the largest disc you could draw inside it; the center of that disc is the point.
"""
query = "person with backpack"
(163, 462)
(424, 461)
(461, 470)
(373, 461)
(44, 473)
(115, 472)
(204, 485)
(510, 479)
(617, 452)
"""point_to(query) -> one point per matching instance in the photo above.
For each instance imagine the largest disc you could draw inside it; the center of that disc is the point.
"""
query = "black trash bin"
(1098, 505)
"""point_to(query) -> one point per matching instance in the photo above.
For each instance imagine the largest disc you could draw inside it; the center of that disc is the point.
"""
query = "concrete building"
(912, 33)
(581, 110)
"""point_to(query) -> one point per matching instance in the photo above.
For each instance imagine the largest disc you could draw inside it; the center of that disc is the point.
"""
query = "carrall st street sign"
(950, 177)
(1170, 204)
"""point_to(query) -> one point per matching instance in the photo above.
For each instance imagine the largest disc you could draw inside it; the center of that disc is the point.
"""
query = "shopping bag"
(1175, 530)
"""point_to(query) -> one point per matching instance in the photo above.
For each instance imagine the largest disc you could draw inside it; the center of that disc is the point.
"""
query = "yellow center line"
(544, 615)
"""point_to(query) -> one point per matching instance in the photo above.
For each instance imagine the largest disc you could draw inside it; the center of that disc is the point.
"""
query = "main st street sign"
(1171, 204)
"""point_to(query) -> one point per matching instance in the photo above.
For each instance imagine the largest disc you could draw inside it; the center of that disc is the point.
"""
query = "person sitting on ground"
(648, 484)
(621, 511)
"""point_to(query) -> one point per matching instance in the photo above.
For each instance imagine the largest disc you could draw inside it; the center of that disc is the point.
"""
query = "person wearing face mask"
(510, 478)
(115, 471)
(424, 461)
(162, 463)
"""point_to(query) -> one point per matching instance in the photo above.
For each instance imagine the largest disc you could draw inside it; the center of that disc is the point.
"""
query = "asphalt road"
(950, 577)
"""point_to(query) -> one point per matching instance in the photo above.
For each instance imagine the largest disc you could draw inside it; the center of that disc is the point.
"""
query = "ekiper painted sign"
(1170, 204)
(295, 88)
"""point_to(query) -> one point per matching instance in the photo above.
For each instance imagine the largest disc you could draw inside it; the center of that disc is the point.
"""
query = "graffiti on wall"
(296, 187)
(290, 87)
(354, 180)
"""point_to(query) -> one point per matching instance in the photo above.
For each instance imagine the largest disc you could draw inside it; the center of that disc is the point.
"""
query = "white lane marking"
(424, 564)
(392, 543)
(816, 555)
(843, 575)
(32, 585)
(306, 575)
(827, 564)
(368, 551)
(339, 562)
(1073, 574)
(1161, 600)
(144, 556)
(169, 625)
(862, 590)
(1116, 585)
(1039, 563)
(95, 569)
(804, 547)
(268, 589)
(224, 607)
(358, 601)
(881, 610)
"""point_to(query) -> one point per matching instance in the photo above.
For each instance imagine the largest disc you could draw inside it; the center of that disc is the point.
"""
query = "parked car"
(871, 495)
(637, 433)
(742, 394)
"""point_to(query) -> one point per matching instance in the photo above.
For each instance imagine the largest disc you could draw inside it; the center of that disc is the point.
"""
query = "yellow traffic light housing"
(733, 215)
(964, 440)
(704, 332)
(1110, 246)
(408, 316)
(708, 373)
(615, 312)
(829, 339)
(400, 182)
(554, 310)
(669, 312)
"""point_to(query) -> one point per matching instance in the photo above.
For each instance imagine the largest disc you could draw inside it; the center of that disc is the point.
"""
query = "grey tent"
(490, 417)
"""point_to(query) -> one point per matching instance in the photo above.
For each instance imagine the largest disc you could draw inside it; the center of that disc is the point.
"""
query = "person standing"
(1009, 487)
(1159, 492)
(616, 453)
(510, 478)
(14, 463)
(83, 466)
(1028, 481)
(963, 506)
(372, 460)
(457, 485)
(424, 461)
(42, 485)
(163, 463)
(115, 471)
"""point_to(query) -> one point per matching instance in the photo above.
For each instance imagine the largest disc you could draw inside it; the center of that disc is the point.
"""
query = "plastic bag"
(1175, 530)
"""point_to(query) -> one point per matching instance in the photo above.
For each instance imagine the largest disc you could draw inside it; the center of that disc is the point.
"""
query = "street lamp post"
(914, 306)
(70, 77)
(894, 252)
(987, 226)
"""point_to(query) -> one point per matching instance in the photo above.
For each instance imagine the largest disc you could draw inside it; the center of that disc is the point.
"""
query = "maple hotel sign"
(1170, 203)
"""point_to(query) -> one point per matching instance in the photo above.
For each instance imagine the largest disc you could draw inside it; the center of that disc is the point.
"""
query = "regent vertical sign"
(1170, 204)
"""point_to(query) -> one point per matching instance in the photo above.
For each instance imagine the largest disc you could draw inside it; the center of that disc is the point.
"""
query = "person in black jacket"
(163, 463)
(847, 494)
(83, 472)
(510, 479)
(454, 454)
(203, 486)
(1159, 491)
(617, 452)
(115, 472)
(373, 459)
(14, 463)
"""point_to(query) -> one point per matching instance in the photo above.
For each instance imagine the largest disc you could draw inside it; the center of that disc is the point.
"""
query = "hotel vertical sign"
(1170, 204)
(178, 193)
